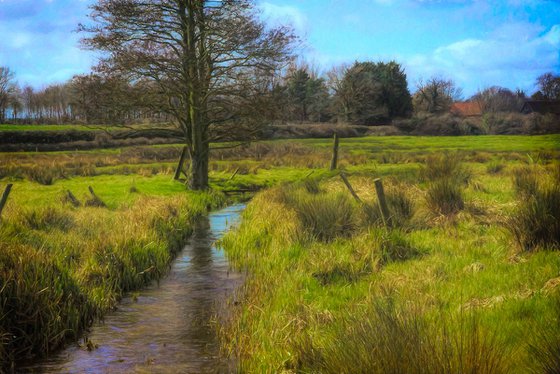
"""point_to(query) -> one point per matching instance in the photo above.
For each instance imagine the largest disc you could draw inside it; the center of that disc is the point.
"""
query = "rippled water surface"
(168, 328)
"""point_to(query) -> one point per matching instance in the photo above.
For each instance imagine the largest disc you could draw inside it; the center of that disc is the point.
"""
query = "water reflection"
(167, 329)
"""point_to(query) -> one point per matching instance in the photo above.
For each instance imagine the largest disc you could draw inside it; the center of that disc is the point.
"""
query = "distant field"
(5, 127)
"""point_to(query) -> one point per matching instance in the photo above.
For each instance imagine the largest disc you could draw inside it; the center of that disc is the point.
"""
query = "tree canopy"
(369, 92)
(212, 61)
(436, 95)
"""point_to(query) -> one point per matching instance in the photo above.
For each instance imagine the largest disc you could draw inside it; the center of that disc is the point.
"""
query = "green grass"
(62, 267)
(6, 127)
(457, 282)
(309, 286)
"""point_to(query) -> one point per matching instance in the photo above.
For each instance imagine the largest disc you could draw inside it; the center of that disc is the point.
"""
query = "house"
(541, 107)
(466, 109)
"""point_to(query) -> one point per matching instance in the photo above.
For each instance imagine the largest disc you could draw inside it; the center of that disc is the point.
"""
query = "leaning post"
(180, 166)
(5, 197)
(382, 202)
(349, 186)
(334, 160)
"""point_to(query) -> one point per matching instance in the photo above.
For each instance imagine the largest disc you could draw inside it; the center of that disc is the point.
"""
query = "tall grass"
(399, 203)
(536, 221)
(545, 347)
(446, 177)
(388, 339)
(61, 269)
(323, 216)
(445, 197)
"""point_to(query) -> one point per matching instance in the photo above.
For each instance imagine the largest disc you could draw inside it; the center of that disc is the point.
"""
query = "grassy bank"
(466, 280)
(63, 266)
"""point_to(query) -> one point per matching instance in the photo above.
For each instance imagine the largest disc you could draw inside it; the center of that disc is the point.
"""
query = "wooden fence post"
(180, 165)
(334, 161)
(5, 197)
(95, 200)
(349, 186)
(72, 199)
(382, 202)
(234, 174)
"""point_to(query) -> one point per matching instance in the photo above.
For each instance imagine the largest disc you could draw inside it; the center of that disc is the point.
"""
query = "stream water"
(166, 328)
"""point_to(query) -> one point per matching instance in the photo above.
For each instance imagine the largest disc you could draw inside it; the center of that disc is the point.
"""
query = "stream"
(165, 328)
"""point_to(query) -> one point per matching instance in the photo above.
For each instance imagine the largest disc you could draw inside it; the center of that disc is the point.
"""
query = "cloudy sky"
(476, 43)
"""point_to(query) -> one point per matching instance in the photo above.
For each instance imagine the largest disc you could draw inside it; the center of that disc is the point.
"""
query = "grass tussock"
(46, 218)
(545, 347)
(445, 166)
(495, 167)
(400, 205)
(446, 176)
(445, 197)
(388, 339)
(322, 216)
(536, 222)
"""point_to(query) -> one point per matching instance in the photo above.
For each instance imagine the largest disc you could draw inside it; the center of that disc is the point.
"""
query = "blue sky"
(476, 43)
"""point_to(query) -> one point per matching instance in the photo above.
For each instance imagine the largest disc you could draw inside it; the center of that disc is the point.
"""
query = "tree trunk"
(199, 168)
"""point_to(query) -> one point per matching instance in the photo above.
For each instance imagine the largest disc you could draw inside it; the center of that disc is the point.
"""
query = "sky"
(475, 43)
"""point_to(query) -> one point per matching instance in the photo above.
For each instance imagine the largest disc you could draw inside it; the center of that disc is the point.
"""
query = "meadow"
(329, 287)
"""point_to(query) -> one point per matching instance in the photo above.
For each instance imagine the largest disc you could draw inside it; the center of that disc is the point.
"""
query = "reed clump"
(446, 177)
(322, 216)
(536, 221)
(391, 339)
(400, 204)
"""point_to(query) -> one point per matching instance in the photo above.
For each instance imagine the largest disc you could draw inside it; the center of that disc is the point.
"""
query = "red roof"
(466, 109)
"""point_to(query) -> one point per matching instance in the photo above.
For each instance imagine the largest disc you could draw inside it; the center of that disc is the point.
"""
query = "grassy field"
(10, 127)
(322, 268)
(466, 280)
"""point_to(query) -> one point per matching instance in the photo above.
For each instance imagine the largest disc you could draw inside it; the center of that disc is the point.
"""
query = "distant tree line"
(364, 93)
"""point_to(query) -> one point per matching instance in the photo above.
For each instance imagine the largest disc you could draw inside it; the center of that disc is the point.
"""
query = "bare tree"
(549, 87)
(435, 95)
(7, 88)
(499, 99)
(207, 58)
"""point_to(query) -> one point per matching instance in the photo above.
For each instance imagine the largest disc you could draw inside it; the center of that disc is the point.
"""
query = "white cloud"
(276, 14)
(512, 56)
